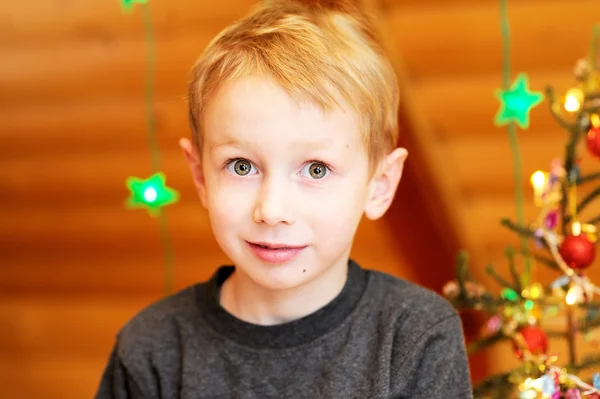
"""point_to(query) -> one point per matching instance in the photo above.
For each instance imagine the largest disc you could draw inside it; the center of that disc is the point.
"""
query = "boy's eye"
(241, 167)
(316, 170)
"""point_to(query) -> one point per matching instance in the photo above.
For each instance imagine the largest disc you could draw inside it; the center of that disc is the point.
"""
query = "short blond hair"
(318, 51)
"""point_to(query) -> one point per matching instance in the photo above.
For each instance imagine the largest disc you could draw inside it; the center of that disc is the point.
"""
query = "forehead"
(257, 109)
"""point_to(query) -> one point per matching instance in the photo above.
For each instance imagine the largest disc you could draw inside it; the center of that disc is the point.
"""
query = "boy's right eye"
(241, 167)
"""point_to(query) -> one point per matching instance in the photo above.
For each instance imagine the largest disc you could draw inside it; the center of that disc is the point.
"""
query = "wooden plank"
(466, 106)
(50, 378)
(50, 21)
(444, 199)
(85, 127)
(483, 165)
(62, 180)
(81, 275)
(105, 228)
(87, 70)
(465, 39)
(58, 348)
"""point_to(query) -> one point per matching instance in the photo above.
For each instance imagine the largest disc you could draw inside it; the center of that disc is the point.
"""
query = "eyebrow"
(232, 142)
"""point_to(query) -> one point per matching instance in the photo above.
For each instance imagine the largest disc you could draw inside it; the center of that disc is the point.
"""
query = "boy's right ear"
(194, 162)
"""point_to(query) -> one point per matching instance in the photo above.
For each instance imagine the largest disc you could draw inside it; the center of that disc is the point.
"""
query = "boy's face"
(285, 185)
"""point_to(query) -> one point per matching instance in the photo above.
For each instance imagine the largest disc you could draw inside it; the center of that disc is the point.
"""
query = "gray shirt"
(381, 337)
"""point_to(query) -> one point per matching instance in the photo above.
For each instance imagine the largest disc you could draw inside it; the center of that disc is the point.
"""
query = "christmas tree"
(560, 238)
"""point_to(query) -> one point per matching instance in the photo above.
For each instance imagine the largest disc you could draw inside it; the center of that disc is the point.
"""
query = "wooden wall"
(74, 264)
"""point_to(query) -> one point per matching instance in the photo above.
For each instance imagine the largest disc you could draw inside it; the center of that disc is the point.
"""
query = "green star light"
(127, 5)
(516, 103)
(151, 193)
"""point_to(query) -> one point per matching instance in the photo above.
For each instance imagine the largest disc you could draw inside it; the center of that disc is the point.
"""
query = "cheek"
(339, 209)
(228, 203)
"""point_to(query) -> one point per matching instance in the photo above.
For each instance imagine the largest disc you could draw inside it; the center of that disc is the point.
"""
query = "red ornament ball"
(536, 340)
(593, 141)
(577, 251)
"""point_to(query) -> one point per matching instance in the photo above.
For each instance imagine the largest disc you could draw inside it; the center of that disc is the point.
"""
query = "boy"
(294, 118)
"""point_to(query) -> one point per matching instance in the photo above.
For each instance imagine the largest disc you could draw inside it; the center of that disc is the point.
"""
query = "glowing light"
(516, 103)
(573, 100)
(574, 295)
(150, 194)
(535, 291)
(576, 228)
(509, 294)
(538, 181)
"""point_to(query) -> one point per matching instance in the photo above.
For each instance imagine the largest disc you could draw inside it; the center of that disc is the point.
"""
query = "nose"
(272, 205)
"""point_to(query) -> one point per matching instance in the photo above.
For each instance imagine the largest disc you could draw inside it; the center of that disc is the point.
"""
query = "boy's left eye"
(315, 170)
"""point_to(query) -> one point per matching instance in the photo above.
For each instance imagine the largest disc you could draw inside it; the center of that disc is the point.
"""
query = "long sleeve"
(436, 366)
(116, 383)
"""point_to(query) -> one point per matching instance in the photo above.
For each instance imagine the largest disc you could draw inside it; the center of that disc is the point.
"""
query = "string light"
(573, 100)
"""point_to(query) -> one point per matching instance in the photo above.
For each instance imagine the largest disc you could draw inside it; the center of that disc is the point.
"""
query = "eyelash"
(327, 166)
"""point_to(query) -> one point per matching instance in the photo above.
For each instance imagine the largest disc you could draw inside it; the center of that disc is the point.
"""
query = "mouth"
(275, 253)
(275, 246)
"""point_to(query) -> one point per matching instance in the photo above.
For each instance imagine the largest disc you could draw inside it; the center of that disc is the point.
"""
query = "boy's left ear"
(384, 183)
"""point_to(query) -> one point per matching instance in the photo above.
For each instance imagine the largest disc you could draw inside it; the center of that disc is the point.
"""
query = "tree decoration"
(127, 5)
(593, 141)
(151, 194)
(516, 103)
(577, 251)
(521, 309)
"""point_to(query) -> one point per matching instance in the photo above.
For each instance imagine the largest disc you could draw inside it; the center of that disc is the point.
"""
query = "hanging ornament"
(516, 103)
(577, 251)
(151, 193)
(534, 339)
(127, 5)
(593, 141)
(573, 393)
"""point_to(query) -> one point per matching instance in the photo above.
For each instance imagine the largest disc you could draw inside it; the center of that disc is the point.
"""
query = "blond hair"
(318, 51)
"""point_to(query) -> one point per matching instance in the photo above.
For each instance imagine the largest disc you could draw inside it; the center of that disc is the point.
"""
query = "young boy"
(294, 117)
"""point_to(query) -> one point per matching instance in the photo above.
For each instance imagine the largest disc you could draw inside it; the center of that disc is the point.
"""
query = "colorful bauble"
(536, 341)
(577, 251)
(593, 141)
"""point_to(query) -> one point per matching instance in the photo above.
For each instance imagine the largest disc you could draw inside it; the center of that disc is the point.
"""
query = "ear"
(384, 183)
(194, 162)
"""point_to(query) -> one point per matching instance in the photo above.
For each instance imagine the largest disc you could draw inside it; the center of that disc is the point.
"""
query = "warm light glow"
(535, 291)
(595, 120)
(573, 100)
(574, 295)
(538, 181)
(576, 228)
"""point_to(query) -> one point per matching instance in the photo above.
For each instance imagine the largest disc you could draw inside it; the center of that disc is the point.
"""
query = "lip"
(274, 253)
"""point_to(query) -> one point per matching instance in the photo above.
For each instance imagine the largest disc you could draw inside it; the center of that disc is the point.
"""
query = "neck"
(248, 301)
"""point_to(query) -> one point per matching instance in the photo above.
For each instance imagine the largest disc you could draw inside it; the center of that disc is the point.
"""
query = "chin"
(276, 277)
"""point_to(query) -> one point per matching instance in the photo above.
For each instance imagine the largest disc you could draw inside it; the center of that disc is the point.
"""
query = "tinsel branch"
(591, 320)
(588, 178)
(523, 231)
(489, 269)
(510, 256)
(547, 261)
(594, 220)
(585, 202)
(553, 110)
(497, 385)
(587, 362)
(587, 199)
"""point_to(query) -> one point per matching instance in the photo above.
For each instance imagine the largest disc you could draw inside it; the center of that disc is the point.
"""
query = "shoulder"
(158, 326)
(413, 309)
